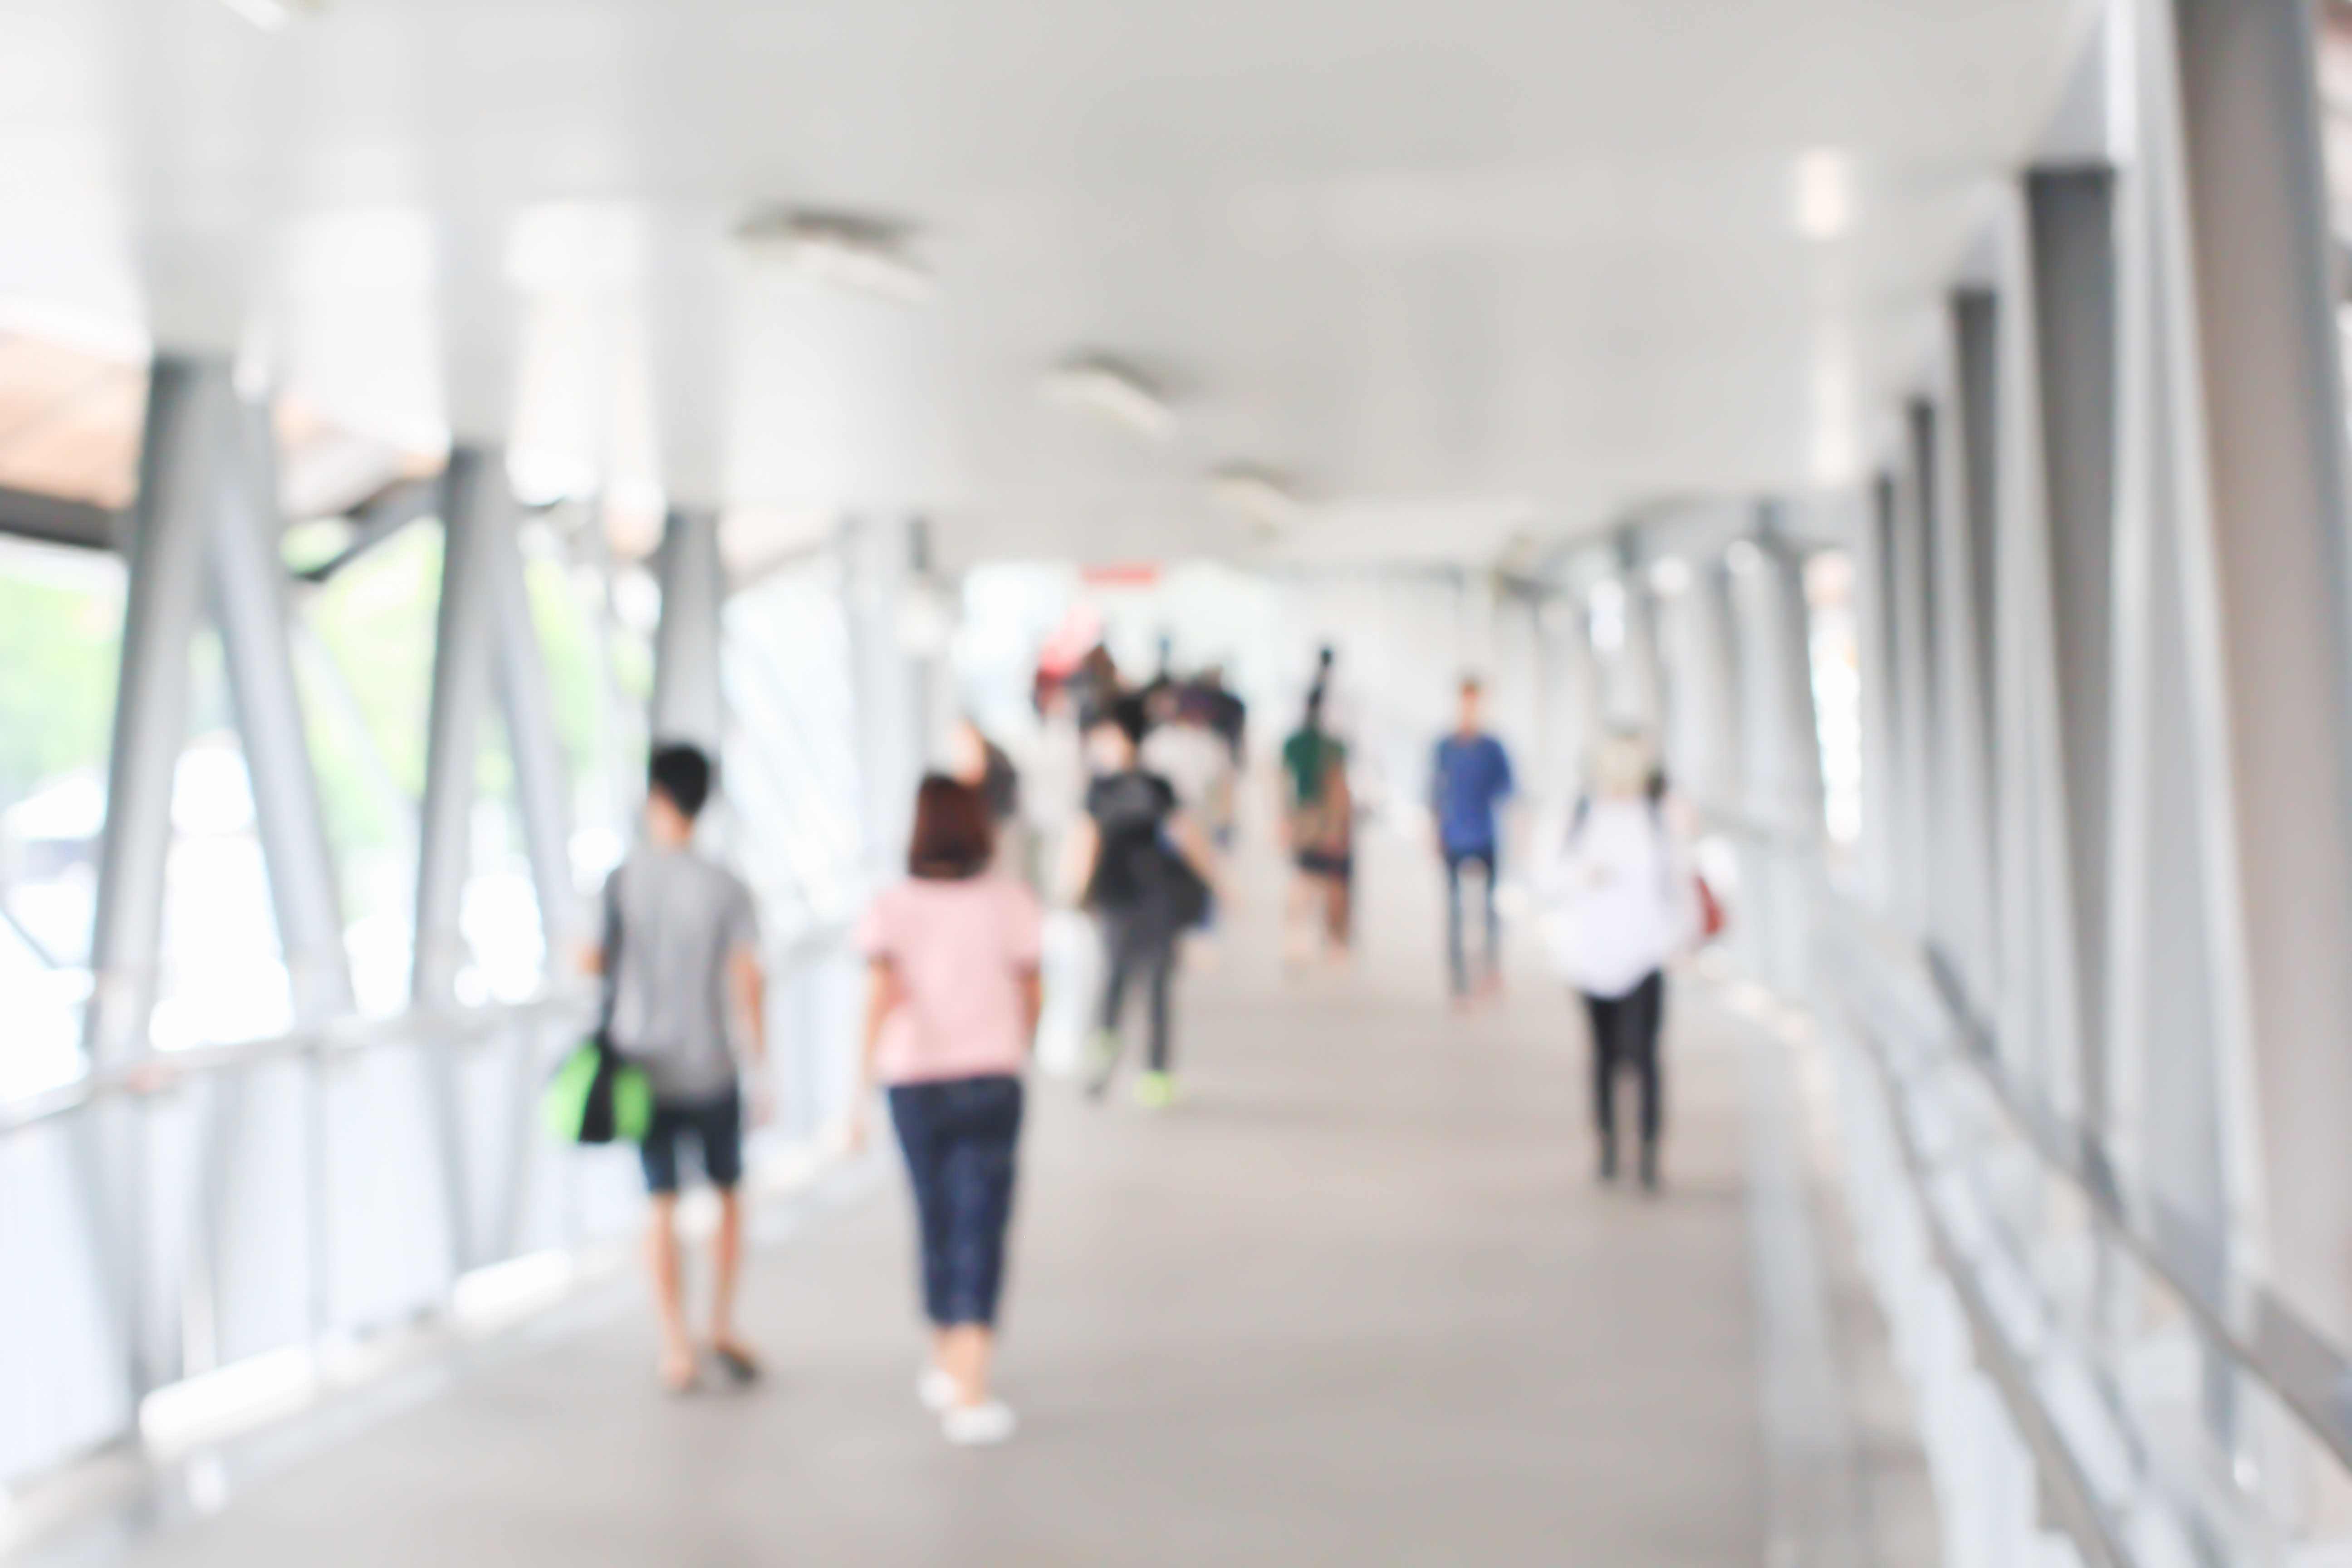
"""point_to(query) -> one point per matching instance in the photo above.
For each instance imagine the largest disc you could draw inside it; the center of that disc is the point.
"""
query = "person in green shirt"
(1318, 828)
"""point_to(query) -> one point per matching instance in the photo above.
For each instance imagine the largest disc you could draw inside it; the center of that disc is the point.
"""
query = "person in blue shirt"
(1472, 776)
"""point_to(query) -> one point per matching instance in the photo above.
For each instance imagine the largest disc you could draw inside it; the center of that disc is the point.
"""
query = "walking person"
(1318, 829)
(1146, 871)
(1469, 779)
(953, 954)
(1182, 749)
(1623, 904)
(686, 983)
(1228, 714)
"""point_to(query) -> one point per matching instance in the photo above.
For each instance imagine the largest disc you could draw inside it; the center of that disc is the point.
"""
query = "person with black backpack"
(1146, 869)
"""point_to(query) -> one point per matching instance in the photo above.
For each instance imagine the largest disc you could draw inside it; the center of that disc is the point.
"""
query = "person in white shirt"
(1623, 904)
(1185, 750)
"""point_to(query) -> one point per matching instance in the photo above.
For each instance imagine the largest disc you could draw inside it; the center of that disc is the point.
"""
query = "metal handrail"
(2307, 1371)
(2080, 1512)
(166, 1071)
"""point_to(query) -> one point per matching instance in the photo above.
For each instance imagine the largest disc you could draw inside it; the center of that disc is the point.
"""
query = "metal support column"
(1572, 713)
(191, 440)
(191, 437)
(1914, 620)
(1885, 816)
(1780, 750)
(1781, 755)
(1709, 684)
(2071, 212)
(250, 596)
(542, 781)
(2267, 344)
(689, 700)
(475, 512)
(1974, 613)
(1638, 696)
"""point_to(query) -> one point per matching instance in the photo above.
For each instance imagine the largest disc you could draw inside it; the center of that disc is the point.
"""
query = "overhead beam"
(59, 519)
(377, 520)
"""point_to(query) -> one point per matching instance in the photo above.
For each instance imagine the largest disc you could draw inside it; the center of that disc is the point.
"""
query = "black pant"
(1140, 943)
(1456, 859)
(1625, 1034)
(957, 1135)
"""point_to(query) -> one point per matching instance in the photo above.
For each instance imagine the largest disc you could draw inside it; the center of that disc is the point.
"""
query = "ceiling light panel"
(863, 254)
(1117, 392)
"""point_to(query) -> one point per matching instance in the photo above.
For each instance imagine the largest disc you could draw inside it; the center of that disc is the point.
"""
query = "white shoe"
(977, 1426)
(936, 1389)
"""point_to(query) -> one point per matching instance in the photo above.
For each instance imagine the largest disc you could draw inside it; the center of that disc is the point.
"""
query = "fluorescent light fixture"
(1263, 500)
(271, 15)
(1114, 389)
(1824, 194)
(866, 255)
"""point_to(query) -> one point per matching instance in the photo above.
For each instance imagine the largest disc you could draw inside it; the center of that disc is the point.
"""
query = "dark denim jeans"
(958, 1136)
(1456, 961)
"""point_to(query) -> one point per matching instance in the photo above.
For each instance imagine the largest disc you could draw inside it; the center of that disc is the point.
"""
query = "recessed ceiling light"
(1265, 501)
(1114, 389)
(1823, 194)
(270, 15)
(864, 254)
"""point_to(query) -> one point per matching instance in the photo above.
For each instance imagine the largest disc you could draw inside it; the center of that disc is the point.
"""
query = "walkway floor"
(1357, 1300)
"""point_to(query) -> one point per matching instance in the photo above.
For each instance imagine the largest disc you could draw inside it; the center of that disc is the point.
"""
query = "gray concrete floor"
(1357, 1300)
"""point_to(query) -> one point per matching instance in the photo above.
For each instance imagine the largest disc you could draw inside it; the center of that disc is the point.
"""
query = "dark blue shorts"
(715, 1124)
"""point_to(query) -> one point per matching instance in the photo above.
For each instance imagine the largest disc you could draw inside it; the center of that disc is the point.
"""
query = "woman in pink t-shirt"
(954, 951)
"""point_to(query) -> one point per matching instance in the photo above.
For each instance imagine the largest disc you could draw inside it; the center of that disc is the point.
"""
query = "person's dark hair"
(954, 837)
(681, 774)
(1132, 714)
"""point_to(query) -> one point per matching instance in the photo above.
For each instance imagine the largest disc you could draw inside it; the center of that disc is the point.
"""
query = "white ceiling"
(1464, 268)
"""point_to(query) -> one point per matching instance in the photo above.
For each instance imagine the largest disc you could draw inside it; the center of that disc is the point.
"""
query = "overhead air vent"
(1105, 385)
(866, 255)
(1261, 498)
(270, 15)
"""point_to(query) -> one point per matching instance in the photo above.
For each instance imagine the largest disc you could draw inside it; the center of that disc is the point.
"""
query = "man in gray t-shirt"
(686, 986)
(684, 921)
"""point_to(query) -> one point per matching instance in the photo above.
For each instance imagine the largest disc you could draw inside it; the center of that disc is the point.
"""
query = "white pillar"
(878, 564)
(689, 700)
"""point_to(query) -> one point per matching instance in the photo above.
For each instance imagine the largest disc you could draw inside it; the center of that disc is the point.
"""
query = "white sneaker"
(936, 1389)
(977, 1426)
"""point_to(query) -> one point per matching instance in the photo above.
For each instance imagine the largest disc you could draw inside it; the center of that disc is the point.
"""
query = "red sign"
(1121, 575)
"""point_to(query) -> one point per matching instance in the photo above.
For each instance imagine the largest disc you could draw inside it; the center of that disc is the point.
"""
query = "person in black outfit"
(1228, 714)
(1144, 865)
